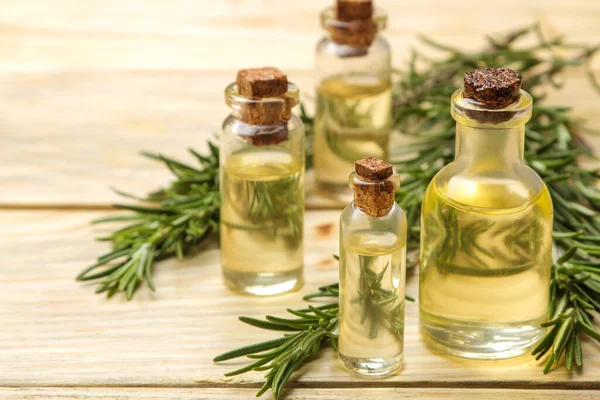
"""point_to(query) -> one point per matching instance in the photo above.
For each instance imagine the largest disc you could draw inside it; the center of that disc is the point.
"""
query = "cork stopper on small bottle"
(261, 82)
(373, 190)
(354, 25)
(350, 10)
(267, 109)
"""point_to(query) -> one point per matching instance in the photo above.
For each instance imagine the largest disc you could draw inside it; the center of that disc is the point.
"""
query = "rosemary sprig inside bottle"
(276, 202)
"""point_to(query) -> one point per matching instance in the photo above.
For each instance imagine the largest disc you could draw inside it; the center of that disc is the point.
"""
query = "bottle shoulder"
(465, 186)
(353, 219)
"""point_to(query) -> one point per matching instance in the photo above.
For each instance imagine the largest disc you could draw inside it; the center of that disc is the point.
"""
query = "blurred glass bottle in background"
(262, 184)
(486, 229)
(372, 272)
(354, 96)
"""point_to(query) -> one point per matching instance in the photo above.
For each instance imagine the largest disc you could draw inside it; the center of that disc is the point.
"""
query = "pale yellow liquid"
(262, 218)
(485, 266)
(353, 121)
(371, 339)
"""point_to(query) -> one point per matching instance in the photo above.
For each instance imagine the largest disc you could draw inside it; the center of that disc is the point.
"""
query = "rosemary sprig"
(313, 327)
(175, 220)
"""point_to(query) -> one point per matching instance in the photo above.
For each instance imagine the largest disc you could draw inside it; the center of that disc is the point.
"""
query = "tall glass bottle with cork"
(486, 233)
(372, 272)
(354, 96)
(262, 184)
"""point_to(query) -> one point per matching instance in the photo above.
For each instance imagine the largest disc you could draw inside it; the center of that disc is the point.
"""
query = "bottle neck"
(495, 148)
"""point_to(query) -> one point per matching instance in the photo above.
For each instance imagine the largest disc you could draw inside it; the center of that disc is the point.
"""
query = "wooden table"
(85, 85)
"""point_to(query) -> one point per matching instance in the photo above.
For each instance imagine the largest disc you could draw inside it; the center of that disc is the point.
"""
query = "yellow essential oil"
(353, 121)
(485, 270)
(262, 222)
(486, 236)
(372, 270)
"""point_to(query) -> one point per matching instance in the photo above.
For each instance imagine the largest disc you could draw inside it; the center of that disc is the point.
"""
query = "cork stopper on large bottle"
(373, 189)
(266, 109)
(492, 91)
(494, 88)
(354, 25)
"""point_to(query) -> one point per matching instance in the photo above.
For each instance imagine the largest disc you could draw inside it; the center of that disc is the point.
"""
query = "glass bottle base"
(372, 367)
(263, 283)
(480, 341)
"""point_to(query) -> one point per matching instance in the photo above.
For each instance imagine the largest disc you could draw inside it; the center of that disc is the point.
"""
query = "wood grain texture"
(56, 332)
(209, 35)
(67, 137)
(86, 84)
(292, 394)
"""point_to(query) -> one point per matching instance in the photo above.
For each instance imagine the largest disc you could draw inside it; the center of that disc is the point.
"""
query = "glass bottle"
(486, 229)
(354, 95)
(262, 185)
(372, 273)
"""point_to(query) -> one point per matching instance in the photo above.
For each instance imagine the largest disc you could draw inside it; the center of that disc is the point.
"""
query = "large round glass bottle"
(262, 186)
(354, 96)
(486, 233)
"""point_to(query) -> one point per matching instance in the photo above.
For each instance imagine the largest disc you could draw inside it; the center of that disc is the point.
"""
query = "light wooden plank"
(56, 332)
(292, 394)
(202, 35)
(87, 84)
(67, 137)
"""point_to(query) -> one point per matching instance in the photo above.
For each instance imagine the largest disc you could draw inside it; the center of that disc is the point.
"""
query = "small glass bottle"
(262, 185)
(372, 272)
(486, 231)
(354, 95)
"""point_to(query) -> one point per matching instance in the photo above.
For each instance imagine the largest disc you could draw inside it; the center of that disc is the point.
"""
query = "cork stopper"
(372, 169)
(494, 88)
(354, 25)
(261, 82)
(350, 10)
(373, 189)
(267, 108)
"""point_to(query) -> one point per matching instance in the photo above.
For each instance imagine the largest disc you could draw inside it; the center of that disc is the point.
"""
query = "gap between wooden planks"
(292, 394)
(57, 332)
